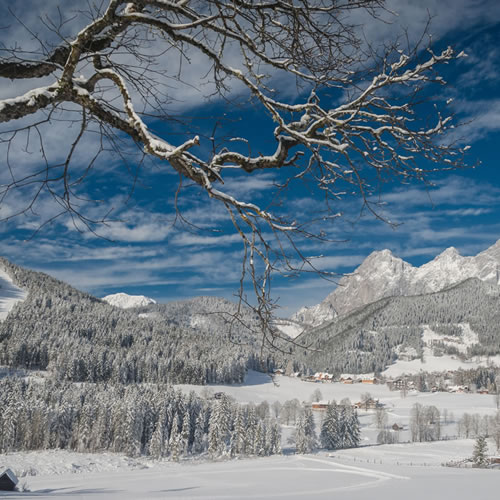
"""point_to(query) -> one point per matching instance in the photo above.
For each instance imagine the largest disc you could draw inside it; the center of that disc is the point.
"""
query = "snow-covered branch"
(355, 116)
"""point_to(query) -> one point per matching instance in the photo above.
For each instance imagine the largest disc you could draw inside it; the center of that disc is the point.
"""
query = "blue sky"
(149, 250)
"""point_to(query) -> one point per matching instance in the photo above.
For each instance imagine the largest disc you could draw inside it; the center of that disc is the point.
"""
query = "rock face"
(126, 301)
(382, 274)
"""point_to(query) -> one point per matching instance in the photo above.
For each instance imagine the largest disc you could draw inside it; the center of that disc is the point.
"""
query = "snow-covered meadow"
(405, 470)
(352, 476)
(10, 294)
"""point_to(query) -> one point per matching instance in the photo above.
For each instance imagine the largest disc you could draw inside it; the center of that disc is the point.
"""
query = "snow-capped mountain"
(126, 301)
(382, 274)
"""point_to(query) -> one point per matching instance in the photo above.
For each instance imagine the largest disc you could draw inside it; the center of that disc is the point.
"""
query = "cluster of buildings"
(369, 404)
(329, 377)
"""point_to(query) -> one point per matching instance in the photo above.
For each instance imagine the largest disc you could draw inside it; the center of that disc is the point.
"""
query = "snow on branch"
(118, 69)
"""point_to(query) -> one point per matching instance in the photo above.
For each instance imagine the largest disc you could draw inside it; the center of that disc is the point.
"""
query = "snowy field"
(406, 470)
(10, 294)
(259, 387)
(349, 475)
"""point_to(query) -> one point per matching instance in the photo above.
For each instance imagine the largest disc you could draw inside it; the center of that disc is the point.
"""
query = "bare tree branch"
(109, 73)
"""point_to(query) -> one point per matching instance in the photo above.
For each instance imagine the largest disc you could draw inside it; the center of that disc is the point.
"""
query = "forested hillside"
(370, 338)
(80, 338)
(212, 315)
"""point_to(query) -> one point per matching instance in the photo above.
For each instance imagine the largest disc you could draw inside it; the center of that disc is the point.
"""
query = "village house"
(320, 405)
(400, 384)
(323, 377)
(369, 380)
(369, 404)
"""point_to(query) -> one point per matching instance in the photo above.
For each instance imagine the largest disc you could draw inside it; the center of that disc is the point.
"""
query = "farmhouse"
(369, 380)
(8, 480)
(369, 404)
(320, 405)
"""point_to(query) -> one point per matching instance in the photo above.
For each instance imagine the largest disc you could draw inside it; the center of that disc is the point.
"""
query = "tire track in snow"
(357, 470)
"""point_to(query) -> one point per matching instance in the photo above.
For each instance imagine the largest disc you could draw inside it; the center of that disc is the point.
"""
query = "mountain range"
(386, 310)
(382, 274)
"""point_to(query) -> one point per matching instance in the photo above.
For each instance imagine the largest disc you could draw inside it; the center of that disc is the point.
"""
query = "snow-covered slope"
(382, 274)
(126, 301)
(10, 294)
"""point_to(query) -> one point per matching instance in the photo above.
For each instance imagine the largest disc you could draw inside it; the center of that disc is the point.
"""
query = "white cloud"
(186, 239)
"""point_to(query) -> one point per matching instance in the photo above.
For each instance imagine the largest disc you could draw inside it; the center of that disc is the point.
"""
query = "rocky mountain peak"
(449, 253)
(382, 274)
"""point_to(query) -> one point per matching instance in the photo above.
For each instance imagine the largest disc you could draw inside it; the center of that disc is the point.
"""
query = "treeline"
(80, 338)
(159, 421)
(136, 420)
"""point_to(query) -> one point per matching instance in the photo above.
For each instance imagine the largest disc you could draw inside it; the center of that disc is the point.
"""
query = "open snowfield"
(409, 471)
(352, 475)
(10, 294)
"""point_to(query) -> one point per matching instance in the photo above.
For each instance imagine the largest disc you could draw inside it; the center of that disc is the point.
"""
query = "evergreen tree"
(330, 428)
(238, 437)
(184, 435)
(156, 445)
(301, 441)
(220, 427)
(251, 430)
(479, 455)
(260, 439)
(275, 442)
(353, 434)
(174, 443)
(199, 434)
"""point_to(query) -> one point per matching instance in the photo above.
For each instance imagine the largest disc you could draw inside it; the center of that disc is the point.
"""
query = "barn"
(8, 480)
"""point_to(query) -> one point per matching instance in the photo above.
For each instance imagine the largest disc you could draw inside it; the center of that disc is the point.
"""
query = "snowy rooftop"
(9, 474)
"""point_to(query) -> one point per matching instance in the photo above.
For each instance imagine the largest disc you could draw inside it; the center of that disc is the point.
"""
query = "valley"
(128, 398)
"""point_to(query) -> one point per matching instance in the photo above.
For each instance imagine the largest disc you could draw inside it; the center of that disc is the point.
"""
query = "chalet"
(319, 405)
(347, 380)
(323, 377)
(370, 404)
(369, 380)
(8, 480)
(279, 371)
(483, 391)
(398, 384)
(396, 427)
